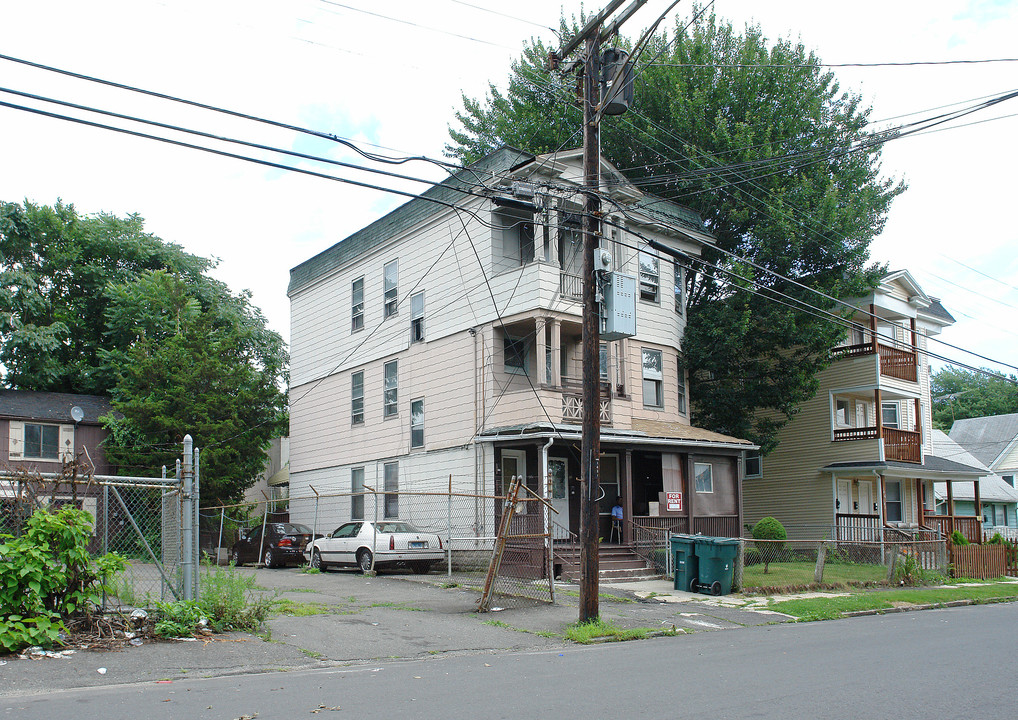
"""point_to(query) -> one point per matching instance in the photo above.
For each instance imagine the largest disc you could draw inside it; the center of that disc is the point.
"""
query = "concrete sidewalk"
(361, 619)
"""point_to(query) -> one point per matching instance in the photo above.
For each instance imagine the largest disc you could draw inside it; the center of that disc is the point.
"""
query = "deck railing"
(970, 526)
(894, 362)
(903, 445)
(571, 286)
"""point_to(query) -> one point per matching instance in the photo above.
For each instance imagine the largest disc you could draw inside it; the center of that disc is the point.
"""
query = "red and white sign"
(674, 501)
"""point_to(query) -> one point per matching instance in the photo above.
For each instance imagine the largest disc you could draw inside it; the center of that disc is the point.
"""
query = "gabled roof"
(908, 282)
(987, 438)
(433, 201)
(51, 407)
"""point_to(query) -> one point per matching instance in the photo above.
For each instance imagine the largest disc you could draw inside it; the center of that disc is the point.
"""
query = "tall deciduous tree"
(754, 136)
(96, 305)
(959, 394)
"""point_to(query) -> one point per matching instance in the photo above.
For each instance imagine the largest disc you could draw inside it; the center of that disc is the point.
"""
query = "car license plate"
(418, 544)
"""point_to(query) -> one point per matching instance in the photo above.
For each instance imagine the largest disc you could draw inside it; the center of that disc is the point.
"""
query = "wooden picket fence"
(978, 561)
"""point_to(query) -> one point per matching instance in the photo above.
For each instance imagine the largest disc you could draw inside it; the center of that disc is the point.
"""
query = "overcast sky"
(392, 84)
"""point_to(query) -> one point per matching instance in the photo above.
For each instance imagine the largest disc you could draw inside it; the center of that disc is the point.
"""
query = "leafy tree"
(959, 394)
(715, 113)
(96, 305)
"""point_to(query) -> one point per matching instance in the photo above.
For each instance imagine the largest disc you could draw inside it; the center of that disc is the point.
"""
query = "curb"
(930, 606)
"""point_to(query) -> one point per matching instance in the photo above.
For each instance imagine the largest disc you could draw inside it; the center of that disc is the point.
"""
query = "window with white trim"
(417, 423)
(357, 305)
(889, 414)
(680, 292)
(650, 277)
(754, 465)
(653, 379)
(357, 397)
(682, 390)
(391, 487)
(892, 493)
(514, 350)
(390, 273)
(703, 477)
(42, 442)
(417, 317)
(390, 391)
(357, 493)
(842, 409)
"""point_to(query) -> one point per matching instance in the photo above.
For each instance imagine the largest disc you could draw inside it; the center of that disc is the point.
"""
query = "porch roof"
(991, 489)
(662, 434)
(933, 468)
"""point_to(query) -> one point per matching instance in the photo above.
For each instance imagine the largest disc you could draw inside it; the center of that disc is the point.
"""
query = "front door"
(844, 504)
(514, 464)
(866, 506)
(558, 468)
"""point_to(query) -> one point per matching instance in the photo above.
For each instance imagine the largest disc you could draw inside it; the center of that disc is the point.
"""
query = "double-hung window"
(357, 305)
(417, 423)
(391, 279)
(42, 441)
(682, 390)
(892, 490)
(754, 464)
(390, 390)
(515, 355)
(357, 398)
(357, 493)
(417, 317)
(650, 277)
(391, 488)
(889, 415)
(680, 296)
(653, 379)
(517, 236)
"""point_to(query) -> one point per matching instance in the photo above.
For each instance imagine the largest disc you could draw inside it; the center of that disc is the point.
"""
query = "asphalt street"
(368, 619)
(938, 663)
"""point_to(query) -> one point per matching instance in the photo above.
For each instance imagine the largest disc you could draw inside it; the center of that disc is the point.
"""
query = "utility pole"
(591, 35)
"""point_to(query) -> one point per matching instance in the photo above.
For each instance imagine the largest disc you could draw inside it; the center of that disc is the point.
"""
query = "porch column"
(883, 500)
(918, 421)
(920, 488)
(873, 327)
(627, 496)
(542, 352)
(979, 503)
(556, 353)
(880, 423)
(950, 507)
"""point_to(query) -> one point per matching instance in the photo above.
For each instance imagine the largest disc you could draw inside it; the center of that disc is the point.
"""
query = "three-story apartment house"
(858, 456)
(441, 344)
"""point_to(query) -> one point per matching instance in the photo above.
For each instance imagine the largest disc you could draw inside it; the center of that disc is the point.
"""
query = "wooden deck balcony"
(902, 445)
(894, 362)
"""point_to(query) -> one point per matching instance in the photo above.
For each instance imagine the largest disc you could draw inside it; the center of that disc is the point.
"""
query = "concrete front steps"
(616, 563)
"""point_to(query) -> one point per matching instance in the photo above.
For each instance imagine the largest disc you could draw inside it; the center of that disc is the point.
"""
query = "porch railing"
(651, 545)
(718, 525)
(903, 445)
(673, 523)
(970, 526)
(857, 528)
(572, 409)
(894, 362)
(897, 363)
(570, 286)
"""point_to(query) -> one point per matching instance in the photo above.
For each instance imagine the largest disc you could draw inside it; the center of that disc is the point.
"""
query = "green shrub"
(229, 599)
(47, 575)
(771, 531)
(1010, 548)
(179, 618)
(958, 539)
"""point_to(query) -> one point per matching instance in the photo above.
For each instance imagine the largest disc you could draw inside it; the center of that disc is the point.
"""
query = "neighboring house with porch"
(444, 340)
(989, 497)
(993, 441)
(857, 460)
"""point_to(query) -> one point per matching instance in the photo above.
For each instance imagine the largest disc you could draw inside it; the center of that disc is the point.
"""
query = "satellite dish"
(77, 414)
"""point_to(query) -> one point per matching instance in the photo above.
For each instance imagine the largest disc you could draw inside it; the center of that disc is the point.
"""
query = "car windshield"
(396, 527)
(292, 529)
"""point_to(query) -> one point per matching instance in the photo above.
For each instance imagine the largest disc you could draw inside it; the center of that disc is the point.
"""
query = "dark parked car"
(284, 544)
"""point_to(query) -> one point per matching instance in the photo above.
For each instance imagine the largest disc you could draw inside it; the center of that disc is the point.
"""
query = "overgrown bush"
(908, 571)
(228, 601)
(958, 539)
(47, 575)
(773, 534)
(1010, 548)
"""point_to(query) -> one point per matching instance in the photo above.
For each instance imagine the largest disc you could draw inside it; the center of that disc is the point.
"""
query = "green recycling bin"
(686, 563)
(716, 560)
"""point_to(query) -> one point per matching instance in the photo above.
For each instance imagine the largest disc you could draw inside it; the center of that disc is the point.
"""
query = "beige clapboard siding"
(670, 382)
(1009, 461)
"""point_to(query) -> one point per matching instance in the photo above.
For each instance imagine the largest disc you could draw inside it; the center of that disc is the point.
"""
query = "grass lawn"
(829, 608)
(783, 574)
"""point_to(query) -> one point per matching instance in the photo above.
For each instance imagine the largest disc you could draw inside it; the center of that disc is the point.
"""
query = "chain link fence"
(467, 525)
(138, 518)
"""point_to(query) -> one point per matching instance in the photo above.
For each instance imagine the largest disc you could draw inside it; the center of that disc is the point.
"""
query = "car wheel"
(235, 558)
(268, 559)
(421, 567)
(316, 560)
(364, 560)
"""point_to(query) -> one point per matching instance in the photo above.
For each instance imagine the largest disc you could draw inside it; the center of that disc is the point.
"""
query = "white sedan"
(395, 543)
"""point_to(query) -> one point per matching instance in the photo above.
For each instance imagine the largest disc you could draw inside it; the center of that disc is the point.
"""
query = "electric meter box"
(619, 307)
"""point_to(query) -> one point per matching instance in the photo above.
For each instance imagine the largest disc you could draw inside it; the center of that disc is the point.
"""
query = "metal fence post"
(196, 525)
(448, 542)
(187, 521)
(219, 543)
